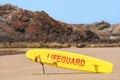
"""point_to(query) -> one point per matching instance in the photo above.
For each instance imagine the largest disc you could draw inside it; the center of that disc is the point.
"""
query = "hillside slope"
(18, 25)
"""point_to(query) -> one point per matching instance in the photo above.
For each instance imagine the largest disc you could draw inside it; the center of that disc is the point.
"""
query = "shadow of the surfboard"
(65, 73)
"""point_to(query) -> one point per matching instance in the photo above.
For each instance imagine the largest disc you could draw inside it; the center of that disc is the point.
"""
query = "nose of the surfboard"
(30, 54)
(27, 54)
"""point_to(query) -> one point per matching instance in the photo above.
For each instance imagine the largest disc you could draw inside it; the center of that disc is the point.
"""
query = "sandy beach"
(18, 67)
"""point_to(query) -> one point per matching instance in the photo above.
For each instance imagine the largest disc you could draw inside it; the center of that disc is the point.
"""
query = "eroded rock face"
(105, 31)
(18, 25)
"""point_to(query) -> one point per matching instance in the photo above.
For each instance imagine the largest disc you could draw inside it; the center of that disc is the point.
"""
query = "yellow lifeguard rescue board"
(69, 60)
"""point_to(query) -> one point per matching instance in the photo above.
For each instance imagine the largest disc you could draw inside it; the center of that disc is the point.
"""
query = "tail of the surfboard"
(108, 68)
(105, 68)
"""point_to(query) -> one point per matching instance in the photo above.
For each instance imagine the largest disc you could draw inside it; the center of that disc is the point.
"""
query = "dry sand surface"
(18, 67)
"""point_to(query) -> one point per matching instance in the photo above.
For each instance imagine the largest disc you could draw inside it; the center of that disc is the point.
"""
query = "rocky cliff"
(18, 25)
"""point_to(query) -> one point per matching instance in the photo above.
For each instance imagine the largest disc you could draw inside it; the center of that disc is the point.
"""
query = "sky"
(74, 11)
